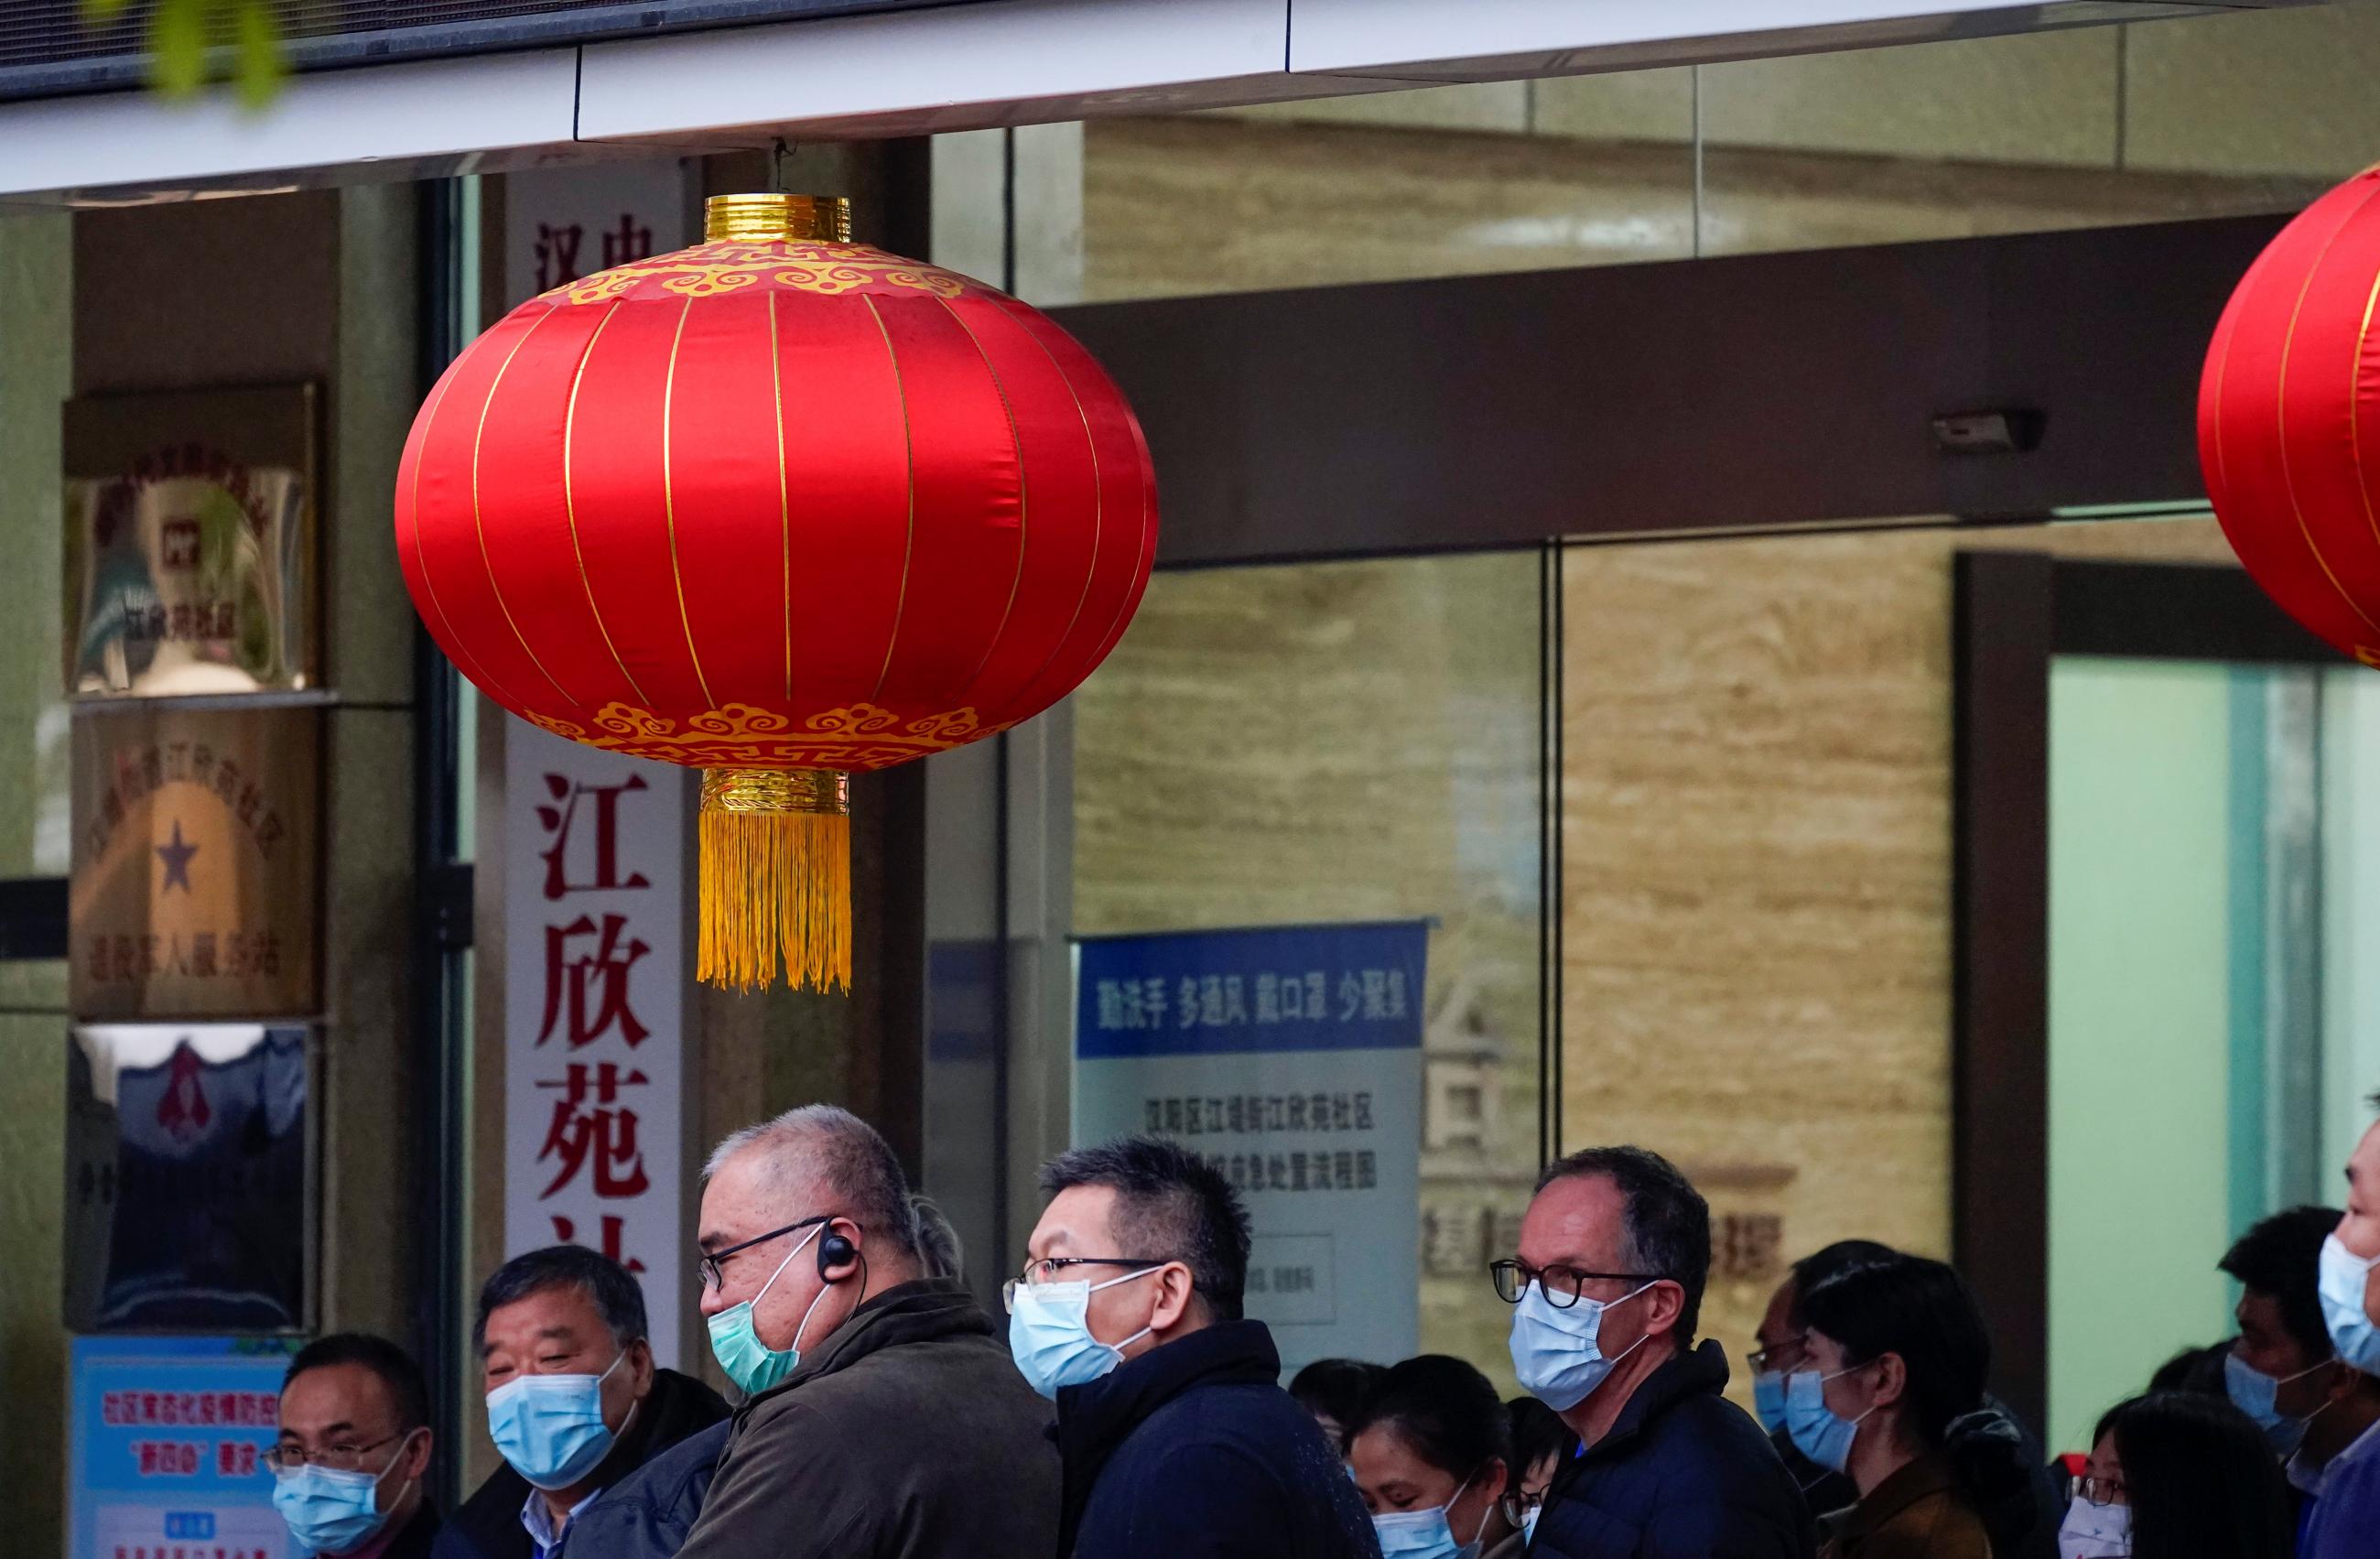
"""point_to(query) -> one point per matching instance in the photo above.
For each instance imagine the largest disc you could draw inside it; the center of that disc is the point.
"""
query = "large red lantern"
(2288, 419)
(782, 508)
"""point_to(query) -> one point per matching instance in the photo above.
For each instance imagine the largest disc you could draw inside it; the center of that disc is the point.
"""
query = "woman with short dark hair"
(1431, 1452)
(1893, 1398)
(2178, 1475)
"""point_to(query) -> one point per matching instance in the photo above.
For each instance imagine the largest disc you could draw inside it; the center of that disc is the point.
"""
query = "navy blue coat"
(1684, 1474)
(1193, 1451)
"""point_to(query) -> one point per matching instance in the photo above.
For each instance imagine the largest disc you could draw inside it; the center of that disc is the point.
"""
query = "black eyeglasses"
(1045, 1270)
(1760, 1359)
(286, 1459)
(709, 1265)
(1560, 1284)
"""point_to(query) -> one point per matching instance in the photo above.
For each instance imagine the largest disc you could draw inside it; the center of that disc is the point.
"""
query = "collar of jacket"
(1922, 1479)
(921, 1311)
(677, 1406)
(1096, 1415)
(1702, 1372)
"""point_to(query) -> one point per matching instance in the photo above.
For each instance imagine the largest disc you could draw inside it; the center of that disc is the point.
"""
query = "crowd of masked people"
(1133, 1411)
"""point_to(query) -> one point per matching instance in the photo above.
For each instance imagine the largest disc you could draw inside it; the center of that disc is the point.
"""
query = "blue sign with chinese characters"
(1288, 1057)
(168, 1442)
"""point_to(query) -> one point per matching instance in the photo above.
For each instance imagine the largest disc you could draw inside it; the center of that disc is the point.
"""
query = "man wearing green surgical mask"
(880, 1419)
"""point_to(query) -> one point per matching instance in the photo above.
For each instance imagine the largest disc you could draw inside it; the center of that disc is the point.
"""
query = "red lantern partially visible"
(782, 508)
(2288, 419)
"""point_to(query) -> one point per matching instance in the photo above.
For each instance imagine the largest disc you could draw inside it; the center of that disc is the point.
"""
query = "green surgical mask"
(753, 1365)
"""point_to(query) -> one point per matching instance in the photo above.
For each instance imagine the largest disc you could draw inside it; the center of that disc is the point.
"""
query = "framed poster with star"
(195, 879)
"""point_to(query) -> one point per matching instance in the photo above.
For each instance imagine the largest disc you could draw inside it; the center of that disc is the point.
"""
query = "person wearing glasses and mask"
(1606, 1290)
(2178, 1475)
(353, 1445)
(1432, 1455)
(881, 1418)
(2026, 1521)
(1177, 1441)
(1542, 1446)
(575, 1401)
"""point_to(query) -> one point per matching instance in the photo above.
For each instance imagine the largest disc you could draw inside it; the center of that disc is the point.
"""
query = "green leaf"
(260, 66)
(177, 44)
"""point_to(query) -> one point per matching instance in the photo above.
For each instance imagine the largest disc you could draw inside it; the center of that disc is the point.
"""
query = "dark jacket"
(1193, 1451)
(905, 1433)
(1684, 1474)
(488, 1525)
(417, 1538)
(1917, 1513)
(2026, 1521)
(648, 1514)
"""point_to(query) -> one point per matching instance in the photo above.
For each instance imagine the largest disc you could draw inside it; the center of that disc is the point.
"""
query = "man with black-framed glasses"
(1606, 1289)
(1177, 1439)
(353, 1447)
(880, 1419)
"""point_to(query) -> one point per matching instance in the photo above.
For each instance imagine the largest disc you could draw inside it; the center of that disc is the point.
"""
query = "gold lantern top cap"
(776, 218)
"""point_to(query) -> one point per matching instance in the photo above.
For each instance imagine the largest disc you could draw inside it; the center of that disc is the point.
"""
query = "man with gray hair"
(880, 1419)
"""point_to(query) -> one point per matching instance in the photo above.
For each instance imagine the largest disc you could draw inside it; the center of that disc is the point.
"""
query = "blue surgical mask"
(550, 1427)
(1529, 1524)
(329, 1511)
(1556, 1356)
(2257, 1395)
(1424, 1534)
(1817, 1431)
(1768, 1399)
(1049, 1334)
(2096, 1531)
(2344, 1275)
(750, 1363)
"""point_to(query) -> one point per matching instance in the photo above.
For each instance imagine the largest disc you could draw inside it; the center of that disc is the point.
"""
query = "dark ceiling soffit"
(596, 21)
(1694, 396)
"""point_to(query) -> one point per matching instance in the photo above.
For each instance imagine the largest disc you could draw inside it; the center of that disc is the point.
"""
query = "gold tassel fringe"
(776, 878)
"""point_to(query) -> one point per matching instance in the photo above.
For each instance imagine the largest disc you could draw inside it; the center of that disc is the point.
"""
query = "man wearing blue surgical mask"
(353, 1448)
(575, 1402)
(879, 1416)
(2347, 1286)
(1177, 1441)
(1607, 1287)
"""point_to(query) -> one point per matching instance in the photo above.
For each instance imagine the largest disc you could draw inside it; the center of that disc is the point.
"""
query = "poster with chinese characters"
(596, 970)
(167, 1445)
(189, 532)
(1290, 1058)
(196, 877)
(564, 224)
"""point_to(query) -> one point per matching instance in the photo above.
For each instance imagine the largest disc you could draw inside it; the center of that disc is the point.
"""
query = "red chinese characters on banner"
(591, 1137)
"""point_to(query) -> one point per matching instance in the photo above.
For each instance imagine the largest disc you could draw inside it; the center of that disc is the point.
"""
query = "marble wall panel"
(2286, 92)
(1757, 836)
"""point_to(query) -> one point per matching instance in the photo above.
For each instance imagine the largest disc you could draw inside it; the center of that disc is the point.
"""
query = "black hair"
(406, 1390)
(1924, 1312)
(2201, 1481)
(2281, 1256)
(617, 1297)
(1828, 1261)
(1170, 1205)
(1339, 1389)
(1444, 1411)
(2194, 1369)
(1666, 1221)
(1538, 1433)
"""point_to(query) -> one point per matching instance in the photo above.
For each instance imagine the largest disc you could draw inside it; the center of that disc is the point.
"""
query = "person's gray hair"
(848, 1159)
(937, 1242)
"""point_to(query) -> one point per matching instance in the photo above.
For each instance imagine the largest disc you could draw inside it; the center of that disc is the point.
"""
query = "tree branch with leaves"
(192, 42)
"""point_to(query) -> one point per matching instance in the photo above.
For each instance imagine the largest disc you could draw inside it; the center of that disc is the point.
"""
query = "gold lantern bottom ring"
(776, 878)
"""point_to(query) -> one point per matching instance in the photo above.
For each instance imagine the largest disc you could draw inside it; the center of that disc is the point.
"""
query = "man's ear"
(1665, 1304)
(416, 1454)
(641, 1367)
(1175, 1296)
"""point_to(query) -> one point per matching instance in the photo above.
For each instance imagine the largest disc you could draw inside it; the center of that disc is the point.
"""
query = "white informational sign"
(1290, 1058)
(564, 224)
(596, 925)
